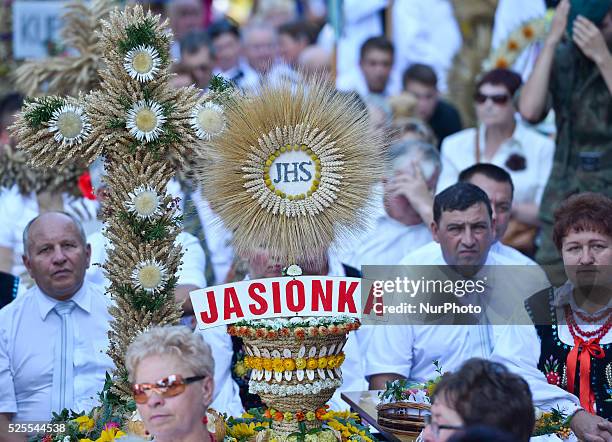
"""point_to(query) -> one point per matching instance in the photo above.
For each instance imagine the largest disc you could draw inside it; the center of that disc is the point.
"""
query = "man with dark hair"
(463, 229)
(421, 81)
(375, 63)
(293, 38)
(480, 393)
(573, 76)
(225, 37)
(498, 185)
(197, 54)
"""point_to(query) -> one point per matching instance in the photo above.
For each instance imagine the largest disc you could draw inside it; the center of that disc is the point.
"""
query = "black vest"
(553, 354)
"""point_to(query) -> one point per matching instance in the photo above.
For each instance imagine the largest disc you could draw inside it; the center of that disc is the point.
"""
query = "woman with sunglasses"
(503, 140)
(171, 370)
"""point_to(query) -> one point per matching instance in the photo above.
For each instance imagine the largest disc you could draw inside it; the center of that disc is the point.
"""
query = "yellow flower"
(246, 415)
(85, 423)
(277, 363)
(300, 363)
(110, 435)
(310, 416)
(289, 364)
(288, 416)
(267, 364)
(85, 440)
(257, 363)
(322, 362)
(242, 430)
(312, 364)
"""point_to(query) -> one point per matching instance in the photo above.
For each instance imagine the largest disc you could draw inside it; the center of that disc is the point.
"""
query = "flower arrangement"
(259, 424)
(109, 422)
(552, 422)
(299, 327)
(510, 49)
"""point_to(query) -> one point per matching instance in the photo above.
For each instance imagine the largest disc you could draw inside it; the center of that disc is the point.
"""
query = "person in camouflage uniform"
(573, 76)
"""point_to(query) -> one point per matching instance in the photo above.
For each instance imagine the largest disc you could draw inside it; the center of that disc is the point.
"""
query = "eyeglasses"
(497, 98)
(435, 427)
(170, 386)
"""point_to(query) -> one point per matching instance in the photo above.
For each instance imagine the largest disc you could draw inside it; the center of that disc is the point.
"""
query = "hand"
(559, 22)
(591, 428)
(588, 38)
(412, 186)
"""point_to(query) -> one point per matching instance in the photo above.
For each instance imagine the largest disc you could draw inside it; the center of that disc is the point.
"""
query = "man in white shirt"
(497, 184)
(53, 338)
(375, 62)
(412, 169)
(464, 229)
(225, 37)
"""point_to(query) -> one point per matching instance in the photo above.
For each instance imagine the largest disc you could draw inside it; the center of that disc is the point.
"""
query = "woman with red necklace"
(566, 355)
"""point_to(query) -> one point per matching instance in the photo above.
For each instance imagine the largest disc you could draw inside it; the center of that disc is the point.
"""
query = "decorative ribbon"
(584, 350)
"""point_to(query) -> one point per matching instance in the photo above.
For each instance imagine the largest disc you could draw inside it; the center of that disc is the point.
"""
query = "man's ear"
(26, 263)
(434, 231)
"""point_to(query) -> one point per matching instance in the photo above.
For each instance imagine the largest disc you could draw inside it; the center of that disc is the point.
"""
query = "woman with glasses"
(481, 393)
(503, 140)
(171, 370)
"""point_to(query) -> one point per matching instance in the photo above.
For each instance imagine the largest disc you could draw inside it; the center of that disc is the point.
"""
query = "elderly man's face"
(172, 418)
(261, 49)
(57, 257)
(185, 16)
(587, 257)
(465, 236)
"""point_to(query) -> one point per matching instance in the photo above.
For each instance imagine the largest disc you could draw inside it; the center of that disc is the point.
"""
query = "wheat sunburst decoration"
(287, 171)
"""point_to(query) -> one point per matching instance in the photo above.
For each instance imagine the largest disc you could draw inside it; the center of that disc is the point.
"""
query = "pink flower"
(110, 425)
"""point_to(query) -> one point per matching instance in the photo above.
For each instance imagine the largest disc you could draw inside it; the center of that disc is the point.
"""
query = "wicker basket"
(317, 345)
(406, 418)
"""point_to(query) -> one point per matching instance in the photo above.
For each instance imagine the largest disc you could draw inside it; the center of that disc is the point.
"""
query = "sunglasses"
(497, 99)
(170, 386)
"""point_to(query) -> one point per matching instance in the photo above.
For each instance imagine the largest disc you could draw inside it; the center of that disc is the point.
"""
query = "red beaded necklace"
(592, 319)
(575, 329)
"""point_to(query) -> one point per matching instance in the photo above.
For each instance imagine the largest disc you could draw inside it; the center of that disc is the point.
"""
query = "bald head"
(56, 254)
(315, 60)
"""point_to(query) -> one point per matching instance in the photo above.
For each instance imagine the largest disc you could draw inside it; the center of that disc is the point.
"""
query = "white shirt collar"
(82, 298)
(514, 140)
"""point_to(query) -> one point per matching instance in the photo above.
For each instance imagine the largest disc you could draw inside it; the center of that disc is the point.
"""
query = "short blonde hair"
(178, 341)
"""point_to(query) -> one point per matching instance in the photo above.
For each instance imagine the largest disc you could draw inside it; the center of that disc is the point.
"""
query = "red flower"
(85, 186)
(323, 330)
(260, 332)
(285, 332)
(272, 334)
(313, 331)
(300, 333)
(320, 412)
(300, 416)
(47, 438)
(278, 416)
(268, 414)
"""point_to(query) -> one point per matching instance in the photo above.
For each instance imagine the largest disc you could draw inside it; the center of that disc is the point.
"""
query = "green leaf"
(42, 110)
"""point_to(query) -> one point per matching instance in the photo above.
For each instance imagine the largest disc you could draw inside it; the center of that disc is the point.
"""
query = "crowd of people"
(503, 193)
